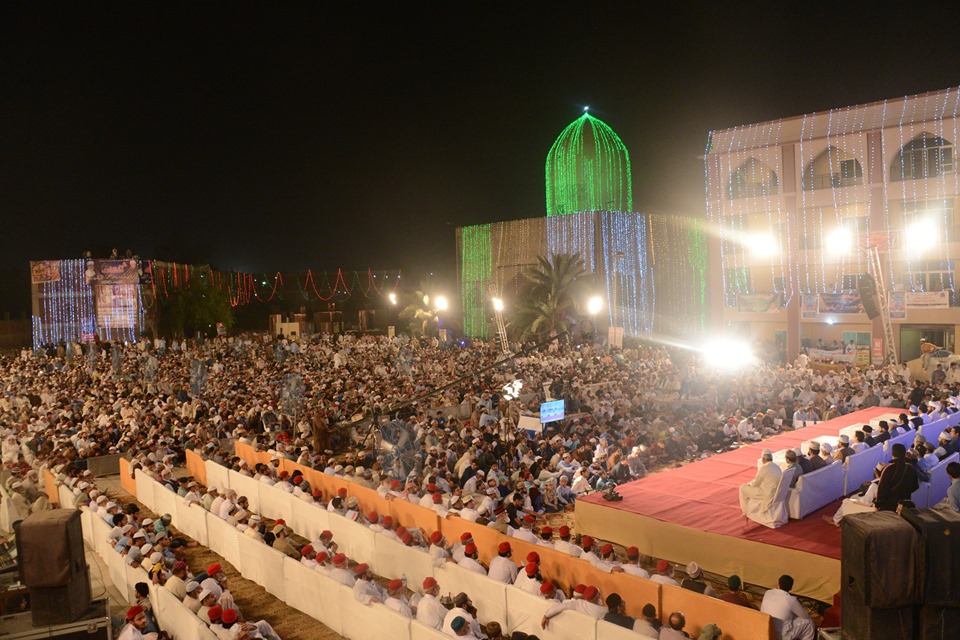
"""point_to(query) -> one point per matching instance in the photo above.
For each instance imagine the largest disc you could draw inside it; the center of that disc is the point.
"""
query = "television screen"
(551, 411)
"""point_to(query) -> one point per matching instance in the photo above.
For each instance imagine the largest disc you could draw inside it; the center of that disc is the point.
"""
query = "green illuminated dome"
(588, 169)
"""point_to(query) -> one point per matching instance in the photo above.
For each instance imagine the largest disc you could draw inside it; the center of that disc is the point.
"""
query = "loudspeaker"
(53, 565)
(938, 557)
(937, 623)
(878, 565)
(867, 287)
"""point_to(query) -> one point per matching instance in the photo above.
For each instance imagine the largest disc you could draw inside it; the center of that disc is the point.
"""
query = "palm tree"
(421, 313)
(550, 299)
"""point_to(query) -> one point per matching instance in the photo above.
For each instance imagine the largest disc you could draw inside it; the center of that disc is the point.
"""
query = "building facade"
(796, 206)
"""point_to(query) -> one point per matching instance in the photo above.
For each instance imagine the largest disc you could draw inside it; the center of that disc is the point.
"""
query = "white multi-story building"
(794, 205)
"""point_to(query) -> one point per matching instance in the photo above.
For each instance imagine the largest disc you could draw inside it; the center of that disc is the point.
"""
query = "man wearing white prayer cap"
(764, 485)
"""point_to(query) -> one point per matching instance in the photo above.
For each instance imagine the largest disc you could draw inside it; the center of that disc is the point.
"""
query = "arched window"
(753, 179)
(832, 168)
(926, 156)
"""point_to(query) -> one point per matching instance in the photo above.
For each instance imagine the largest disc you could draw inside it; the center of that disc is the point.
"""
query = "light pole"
(594, 305)
(616, 338)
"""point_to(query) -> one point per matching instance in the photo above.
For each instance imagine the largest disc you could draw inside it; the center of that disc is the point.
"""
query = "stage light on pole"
(393, 298)
(727, 354)
(762, 245)
(838, 242)
(594, 305)
(441, 303)
(924, 231)
(497, 304)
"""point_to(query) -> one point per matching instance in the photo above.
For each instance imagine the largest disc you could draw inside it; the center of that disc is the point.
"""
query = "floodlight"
(441, 303)
(762, 245)
(594, 305)
(393, 298)
(922, 233)
(838, 242)
(727, 354)
(497, 304)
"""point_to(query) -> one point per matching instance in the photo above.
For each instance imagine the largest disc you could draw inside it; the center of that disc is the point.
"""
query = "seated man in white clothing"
(365, 589)
(763, 487)
(429, 610)
(589, 604)
(866, 496)
(789, 617)
(395, 599)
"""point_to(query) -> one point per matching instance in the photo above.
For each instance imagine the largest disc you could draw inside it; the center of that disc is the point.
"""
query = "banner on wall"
(808, 307)
(759, 302)
(847, 302)
(107, 272)
(116, 306)
(44, 271)
(927, 299)
(897, 305)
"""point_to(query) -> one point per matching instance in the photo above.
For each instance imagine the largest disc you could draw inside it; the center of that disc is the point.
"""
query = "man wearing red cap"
(549, 591)
(664, 574)
(632, 565)
(342, 494)
(308, 556)
(395, 599)
(502, 568)
(340, 573)
(136, 623)
(470, 561)
(365, 590)
(529, 579)
(438, 549)
(429, 610)
(546, 537)
(564, 544)
(323, 564)
(216, 623)
(325, 543)
(525, 532)
(607, 560)
(587, 545)
(456, 551)
(589, 604)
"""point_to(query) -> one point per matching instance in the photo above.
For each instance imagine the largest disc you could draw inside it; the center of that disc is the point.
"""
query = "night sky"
(278, 136)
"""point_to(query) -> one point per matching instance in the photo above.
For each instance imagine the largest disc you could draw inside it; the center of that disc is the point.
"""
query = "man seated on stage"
(763, 487)
(789, 617)
(898, 480)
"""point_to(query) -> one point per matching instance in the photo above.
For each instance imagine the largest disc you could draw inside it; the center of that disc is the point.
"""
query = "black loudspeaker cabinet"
(878, 567)
(937, 623)
(53, 566)
(938, 557)
(868, 296)
(860, 622)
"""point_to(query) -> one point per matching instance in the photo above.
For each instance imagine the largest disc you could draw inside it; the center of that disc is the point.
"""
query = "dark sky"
(281, 136)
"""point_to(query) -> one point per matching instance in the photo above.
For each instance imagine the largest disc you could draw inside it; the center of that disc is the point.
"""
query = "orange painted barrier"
(735, 621)
(196, 467)
(126, 479)
(414, 516)
(50, 487)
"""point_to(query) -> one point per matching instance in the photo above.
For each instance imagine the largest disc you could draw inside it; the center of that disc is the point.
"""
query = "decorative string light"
(476, 270)
(588, 169)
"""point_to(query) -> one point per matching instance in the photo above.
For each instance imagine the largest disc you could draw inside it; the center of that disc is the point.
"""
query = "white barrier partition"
(217, 476)
(86, 524)
(393, 560)
(489, 596)
(165, 500)
(117, 568)
(370, 620)
(223, 540)
(245, 486)
(178, 620)
(66, 497)
(420, 631)
(353, 539)
(525, 611)
(309, 591)
(610, 631)
(308, 519)
(101, 536)
(262, 564)
(274, 503)
(192, 520)
(145, 485)
(931, 431)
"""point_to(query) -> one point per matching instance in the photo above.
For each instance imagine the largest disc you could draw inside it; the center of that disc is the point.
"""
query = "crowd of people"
(629, 413)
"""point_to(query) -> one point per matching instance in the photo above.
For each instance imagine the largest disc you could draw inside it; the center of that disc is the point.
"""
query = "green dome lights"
(588, 169)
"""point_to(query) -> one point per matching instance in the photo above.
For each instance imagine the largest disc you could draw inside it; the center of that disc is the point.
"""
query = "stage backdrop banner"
(44, 271)
(847, 302)
(759, 302)
(113, 271)
(808, 307)
(927, 299)
(116, 306)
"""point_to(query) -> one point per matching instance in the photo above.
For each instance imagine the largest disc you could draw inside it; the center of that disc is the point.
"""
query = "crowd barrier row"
(171, 614)
(513, 608)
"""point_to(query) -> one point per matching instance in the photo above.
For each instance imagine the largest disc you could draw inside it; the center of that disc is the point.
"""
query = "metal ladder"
(889, 347)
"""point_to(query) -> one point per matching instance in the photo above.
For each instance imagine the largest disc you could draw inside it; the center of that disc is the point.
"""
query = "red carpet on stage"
(704, 495)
